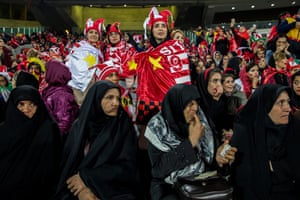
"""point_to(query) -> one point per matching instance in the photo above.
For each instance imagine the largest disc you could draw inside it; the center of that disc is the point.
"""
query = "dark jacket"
(259, 141)
(109, 167)
(30, 150)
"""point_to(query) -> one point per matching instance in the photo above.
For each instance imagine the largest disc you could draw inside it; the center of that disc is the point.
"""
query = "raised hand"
(196, 130)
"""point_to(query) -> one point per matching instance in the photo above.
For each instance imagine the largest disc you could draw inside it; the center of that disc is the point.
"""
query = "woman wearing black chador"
(267, 138)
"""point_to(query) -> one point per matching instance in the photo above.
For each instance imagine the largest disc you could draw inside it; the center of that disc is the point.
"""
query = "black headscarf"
(262, 102)
(25, 78)
(258, 140)
(234, 64)
(175, 101)
(214, 110)
(108, 168)
(30, 149)
(295, 99)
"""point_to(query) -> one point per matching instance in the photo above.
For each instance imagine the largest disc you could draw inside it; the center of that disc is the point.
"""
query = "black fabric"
(281, 79)
(293, 149)
(259, 140)
(215, 111)
(234, 63)
(109, 168)
(3, 108)
(25, 78)
(211, 188)
(30, 150)
(222, 45)
(233, 104)
(173, 105)
(163, 163)
(295, 99)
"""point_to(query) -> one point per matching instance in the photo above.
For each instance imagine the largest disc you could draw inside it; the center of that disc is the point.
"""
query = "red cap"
(115, 27)
(97, 25)
(155, 16)
(105, 69)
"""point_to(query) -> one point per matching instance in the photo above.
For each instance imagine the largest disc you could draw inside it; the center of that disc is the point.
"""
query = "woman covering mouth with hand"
(213, 101)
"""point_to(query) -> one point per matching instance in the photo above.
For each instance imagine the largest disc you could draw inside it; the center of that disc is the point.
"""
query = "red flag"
(120, 54)
(157, 70)
(160, 68)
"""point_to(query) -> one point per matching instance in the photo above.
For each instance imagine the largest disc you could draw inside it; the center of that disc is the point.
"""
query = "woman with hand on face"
(213, 101)
(279, 44)
(30, 148)
(178, 34)
(99, 158)
(164, 64)
(279, 74)
(249, 79)
(267, 136)
(181, 142)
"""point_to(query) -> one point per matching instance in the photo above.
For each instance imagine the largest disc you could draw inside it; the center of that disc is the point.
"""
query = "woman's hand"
(196, 130)
(75, 184)
(87, 194)
(286, 51)
(229, 155)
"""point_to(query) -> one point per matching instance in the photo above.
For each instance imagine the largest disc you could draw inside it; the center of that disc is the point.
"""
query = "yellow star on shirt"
(155, 63)
(90, 60)
(132, 65)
